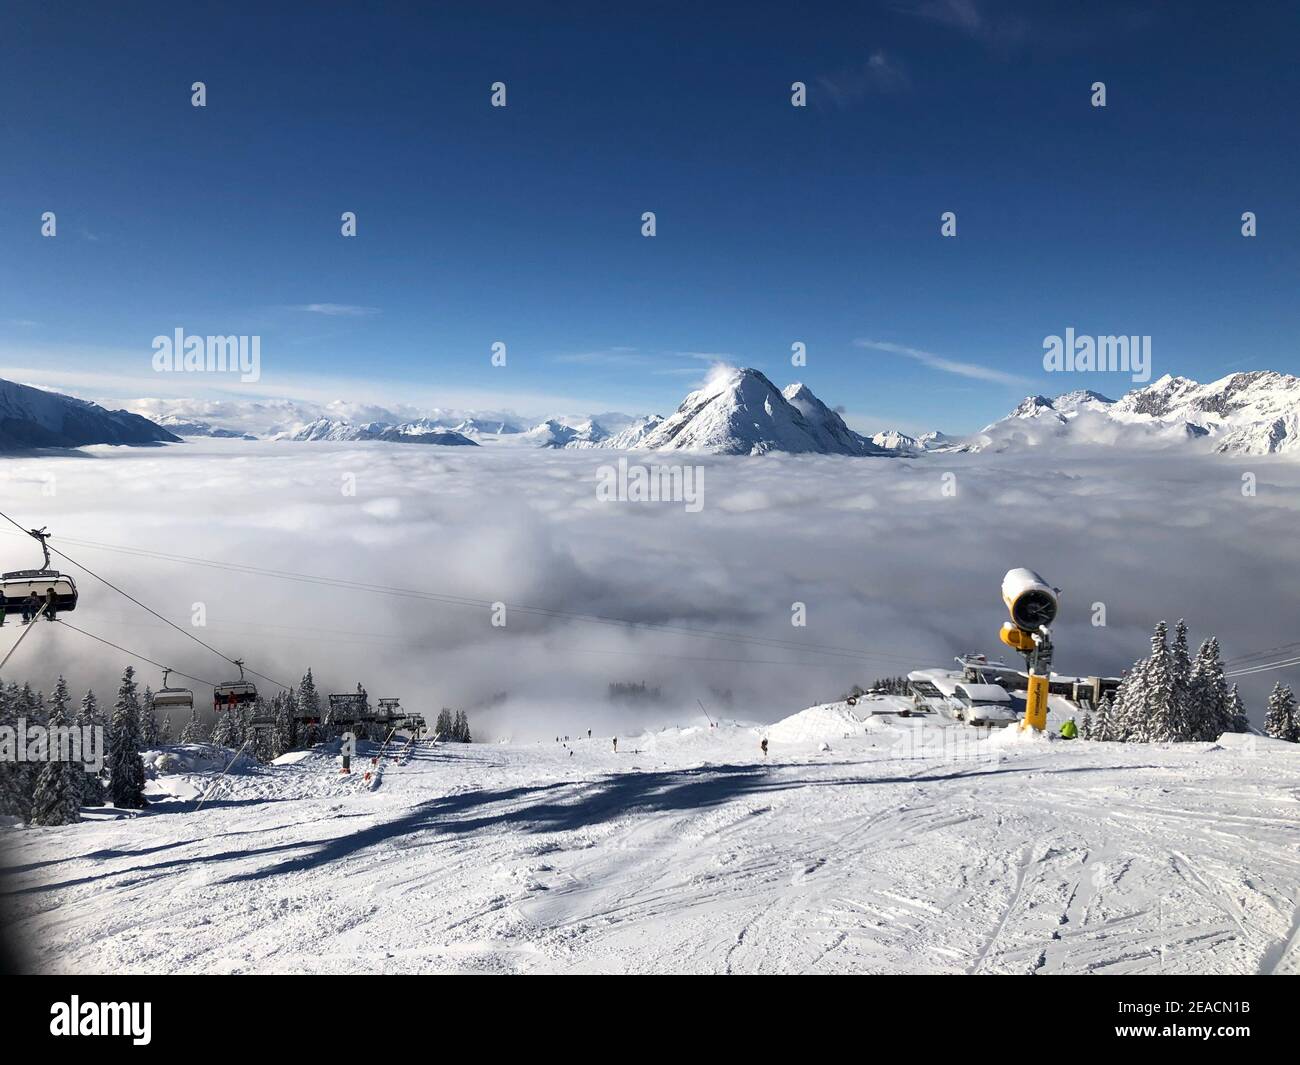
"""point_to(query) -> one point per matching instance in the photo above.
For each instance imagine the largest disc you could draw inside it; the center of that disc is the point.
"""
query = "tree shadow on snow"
(561, 806)
(595, 803)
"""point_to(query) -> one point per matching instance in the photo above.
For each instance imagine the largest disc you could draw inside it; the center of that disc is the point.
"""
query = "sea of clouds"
(887, 562)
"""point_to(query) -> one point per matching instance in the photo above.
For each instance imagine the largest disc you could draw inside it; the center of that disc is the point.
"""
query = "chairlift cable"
(1263, 668)
(133, 599)
(133, 654)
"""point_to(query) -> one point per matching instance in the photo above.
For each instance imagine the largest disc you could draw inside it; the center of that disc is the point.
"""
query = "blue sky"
(522, 224)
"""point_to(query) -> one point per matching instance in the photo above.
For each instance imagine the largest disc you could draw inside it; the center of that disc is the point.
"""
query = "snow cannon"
(1031, 601)
(1032, 604)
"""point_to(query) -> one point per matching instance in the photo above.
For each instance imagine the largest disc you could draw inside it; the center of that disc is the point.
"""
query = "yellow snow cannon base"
(1016, 638)
(1036, 704)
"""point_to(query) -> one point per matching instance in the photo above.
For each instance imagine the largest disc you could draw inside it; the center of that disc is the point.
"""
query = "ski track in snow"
(691, 855)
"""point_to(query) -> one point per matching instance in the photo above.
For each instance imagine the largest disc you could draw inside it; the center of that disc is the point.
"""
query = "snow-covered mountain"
(935, 440)
(1256, 413)
(557, 433)
(828, 427)
(1063, 407)
(31, 418)
(192, 427)
(417, 432)
(740, 412)
(895, 442)
(634, 435)
(481, 426)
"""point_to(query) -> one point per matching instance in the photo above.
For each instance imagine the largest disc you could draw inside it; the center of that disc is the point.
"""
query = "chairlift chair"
(173, 698)
(18, 585)
(235, 693)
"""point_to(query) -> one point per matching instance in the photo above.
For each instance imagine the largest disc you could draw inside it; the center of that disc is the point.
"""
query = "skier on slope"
(1069, 730)
(616, 745)
(764, 746)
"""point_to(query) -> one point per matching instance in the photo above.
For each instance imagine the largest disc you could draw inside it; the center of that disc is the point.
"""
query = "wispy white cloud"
(881, 73)
(618, 356)
(707, 356)
(952, 366)
(999, 29)
(338, 310)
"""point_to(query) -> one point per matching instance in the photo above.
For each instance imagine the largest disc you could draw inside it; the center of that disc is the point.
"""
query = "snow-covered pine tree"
(1101, 722)
(308, 698)
(60, 697)
(57, 798)
(1180, 653)
(1280, 719)
(97, 714)
(31, 705)
(193, 730)
(291, 710)
(1210, 713)
(262, 743)
(148, 721)
(309, 707)
(125, 767)
(165, 731)
(226, 729)
(1238, 720)
(1085, 729)
(1160, 718)
(282, 711)
(243, 723)
(88, 716)
(16, 783)
(1127, 706)
(1181, 662)
(444, 725)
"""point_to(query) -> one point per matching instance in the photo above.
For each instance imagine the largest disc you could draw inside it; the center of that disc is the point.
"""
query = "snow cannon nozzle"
(1030, 600)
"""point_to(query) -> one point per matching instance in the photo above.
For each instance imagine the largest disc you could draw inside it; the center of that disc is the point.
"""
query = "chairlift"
(234, 694)
(173, 698)
(18, 586)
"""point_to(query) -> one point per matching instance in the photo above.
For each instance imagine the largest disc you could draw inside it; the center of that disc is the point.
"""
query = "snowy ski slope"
(906, 846)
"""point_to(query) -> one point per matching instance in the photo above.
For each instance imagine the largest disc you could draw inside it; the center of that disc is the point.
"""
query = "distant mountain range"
(741, 412)
(1255, 413)
(33, 418)
(193, 427)
(422, 431)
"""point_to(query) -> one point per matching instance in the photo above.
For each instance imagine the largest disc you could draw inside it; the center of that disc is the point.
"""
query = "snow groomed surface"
(901, 845)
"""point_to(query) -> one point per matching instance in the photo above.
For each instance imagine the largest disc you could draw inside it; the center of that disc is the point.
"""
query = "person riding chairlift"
(31, 607)
(51, 604)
